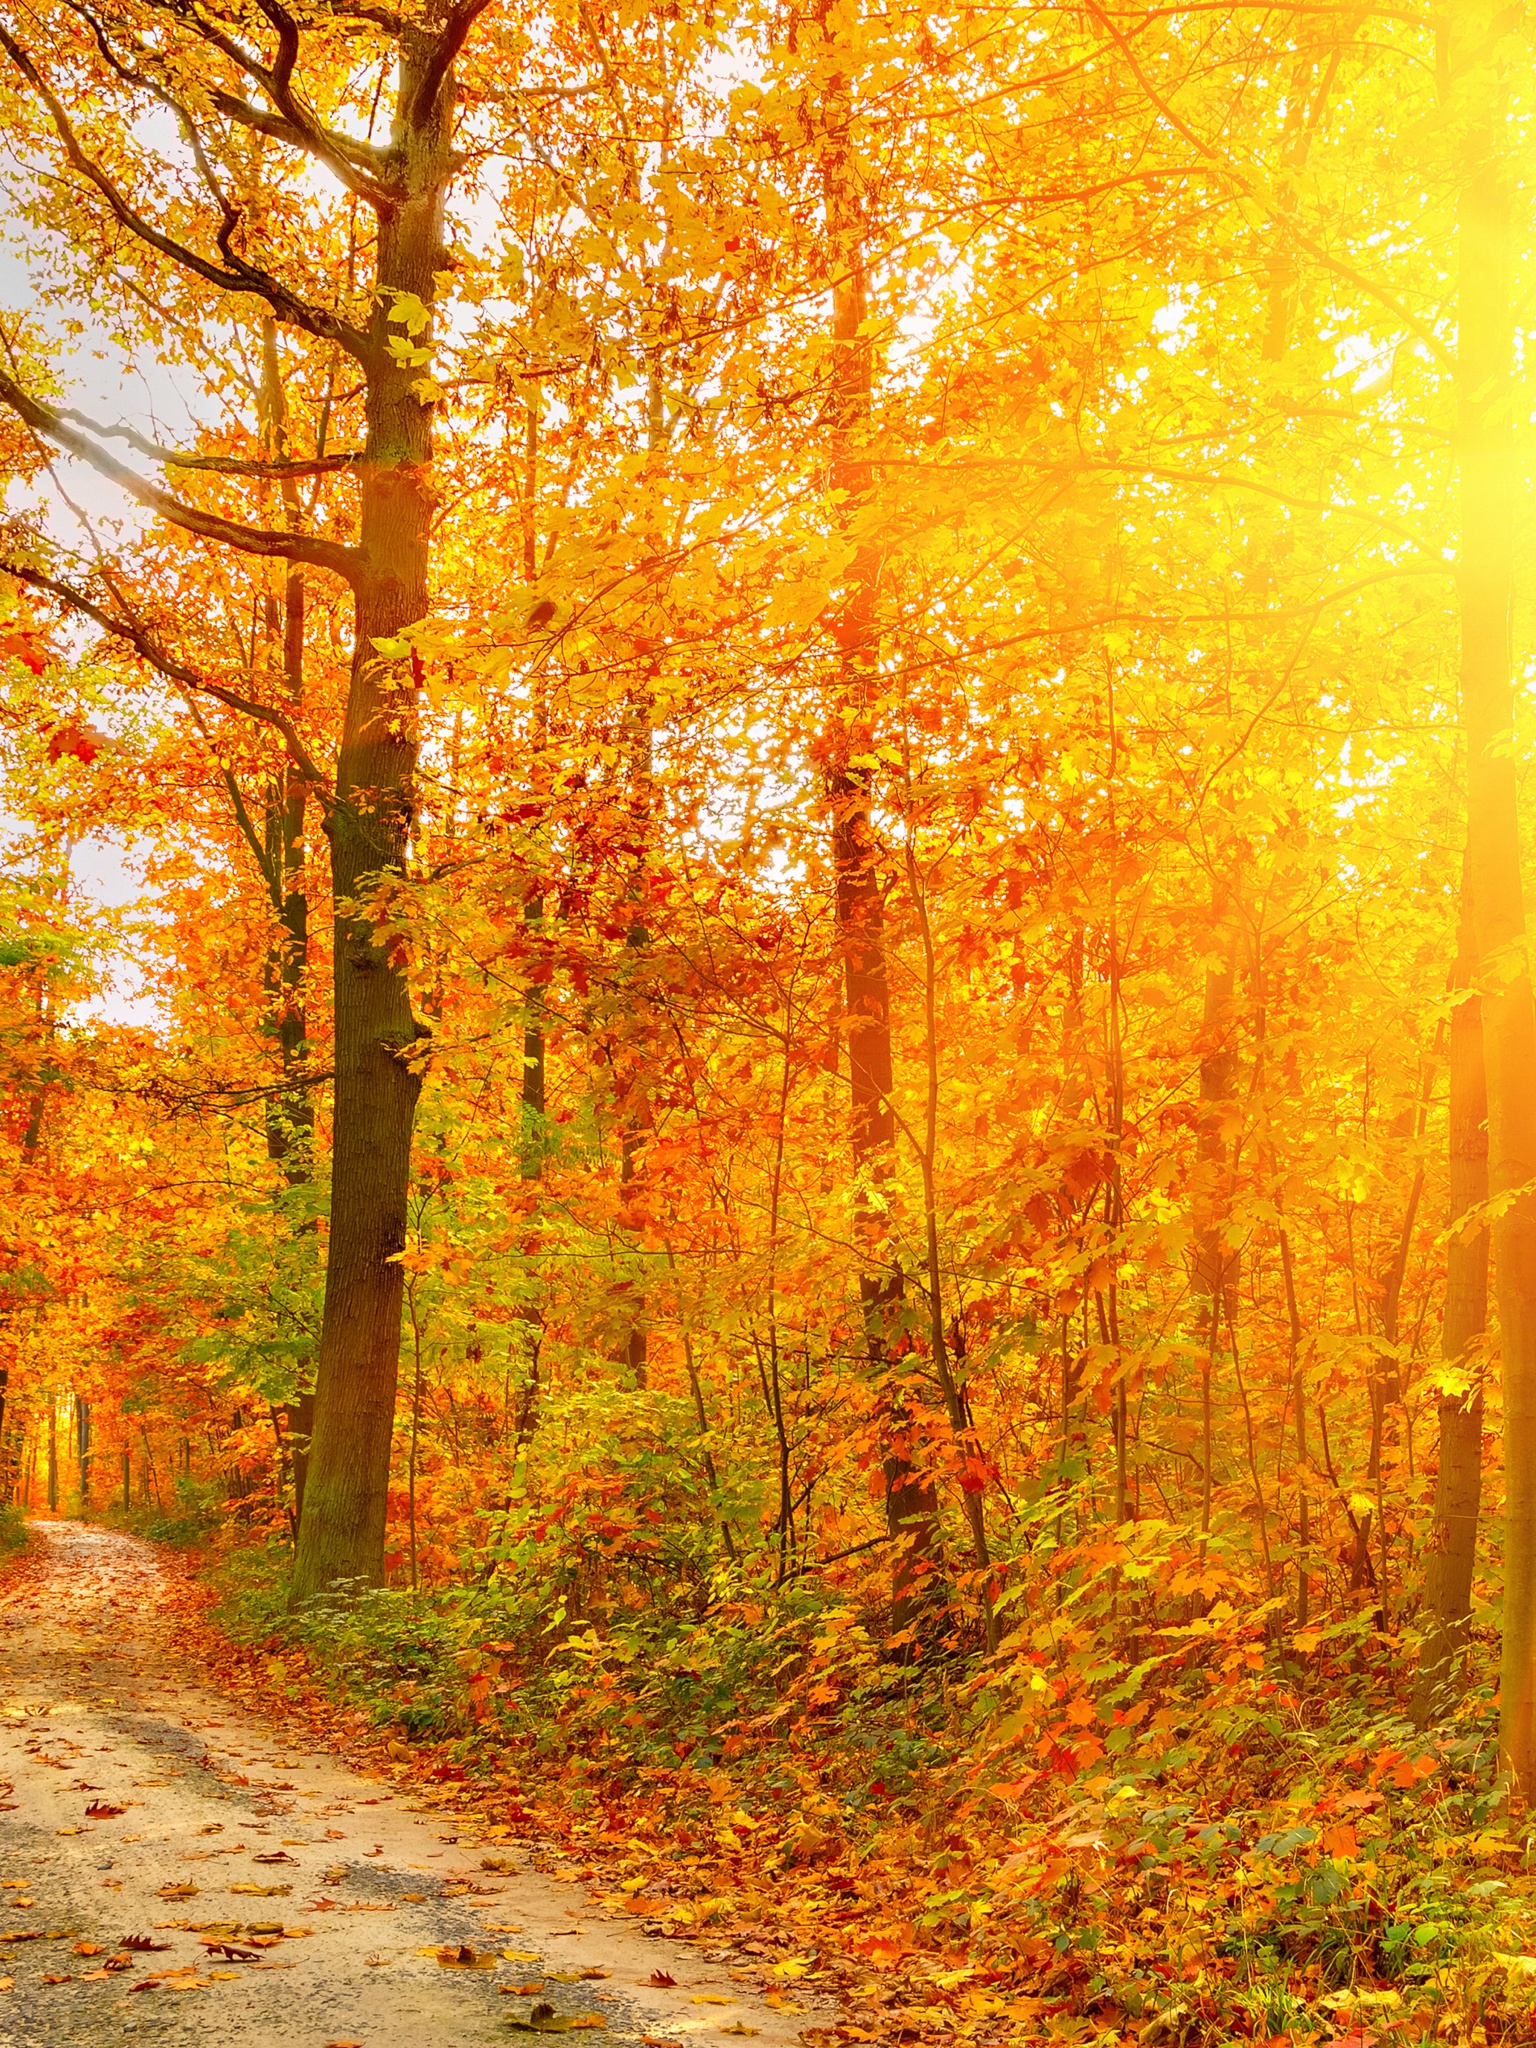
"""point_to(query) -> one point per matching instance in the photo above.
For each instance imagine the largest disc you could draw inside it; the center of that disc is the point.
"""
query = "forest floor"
(159, 1838)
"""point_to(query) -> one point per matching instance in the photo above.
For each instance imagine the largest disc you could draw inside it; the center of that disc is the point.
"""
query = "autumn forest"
(824, 1145)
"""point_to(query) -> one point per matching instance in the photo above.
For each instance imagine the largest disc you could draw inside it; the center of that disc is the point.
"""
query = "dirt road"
(288, 1899)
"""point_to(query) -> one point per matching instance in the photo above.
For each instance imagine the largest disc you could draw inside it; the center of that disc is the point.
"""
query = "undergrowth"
(196, 1511)
(1222, 1838)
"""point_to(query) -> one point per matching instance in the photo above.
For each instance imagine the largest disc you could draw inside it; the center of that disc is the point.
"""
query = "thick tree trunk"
(341, 1536)
(1452, 1547)
(1489, 496)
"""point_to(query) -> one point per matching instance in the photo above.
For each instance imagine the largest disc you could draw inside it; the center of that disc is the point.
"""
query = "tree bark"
(290, 1112)
(1452, 1547)
(1211, 1263)
(859, 904)
(341, 1536)
(1488, 496)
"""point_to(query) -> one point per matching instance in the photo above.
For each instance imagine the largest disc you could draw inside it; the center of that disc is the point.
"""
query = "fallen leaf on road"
(663, 1980)
(57, 1980)
(520, 1990)
(178, 1891)
(7, 1983)
(711, 1998)
(275, 1856)
(460, 1956)
(262, 1891)
(740, 2029)
(87, 1948)
(100, 1810)
(24, 1934)
(141, 1943)
(543, 2019)
(780, 2003)
(577, 1976)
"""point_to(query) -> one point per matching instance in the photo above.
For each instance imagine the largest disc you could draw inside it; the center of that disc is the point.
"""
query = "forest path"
(324, 1890)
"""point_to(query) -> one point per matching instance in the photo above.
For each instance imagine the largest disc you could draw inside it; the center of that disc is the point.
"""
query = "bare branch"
(220, 465)
(43, 419)
(138, 636)
(259, 849)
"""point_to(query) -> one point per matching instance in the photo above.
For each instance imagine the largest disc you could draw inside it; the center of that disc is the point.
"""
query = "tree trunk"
(1211, 1263)
(1488, 498)
(859, 904)
(1452, 1547)
(83, 1450)
(346, 1496)
(290, 1113)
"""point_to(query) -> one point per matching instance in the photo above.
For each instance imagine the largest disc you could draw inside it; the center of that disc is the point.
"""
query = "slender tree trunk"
(533, 1126)
(632, 1062)
(1210, 1242)
(951, 1374)
(378, 1081)
(859, 903)
(290, 1113)
(83, 1450)
(1299, 1396)
(1489, 496)
(53, 1454)
(1452, 1548)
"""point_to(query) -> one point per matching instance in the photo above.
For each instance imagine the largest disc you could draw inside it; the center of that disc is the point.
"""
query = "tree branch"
(1256, 192)
(339, 152)
(236, 276)
(253, 839)
(342, 561)
(220, 465)
(149, 650)
(440, 62)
